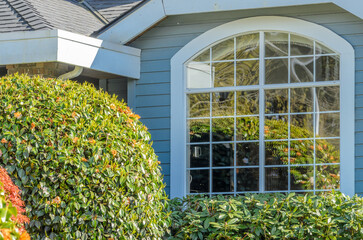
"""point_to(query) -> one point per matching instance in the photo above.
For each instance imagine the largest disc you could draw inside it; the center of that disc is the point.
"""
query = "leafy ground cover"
(279, 216)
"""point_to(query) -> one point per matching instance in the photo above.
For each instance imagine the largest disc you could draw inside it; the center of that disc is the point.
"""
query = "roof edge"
(75, 49)
(138, 20)
(119, 18)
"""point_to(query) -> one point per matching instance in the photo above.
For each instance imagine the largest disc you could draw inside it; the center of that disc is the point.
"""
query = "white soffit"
(153, 11)
(70, 48)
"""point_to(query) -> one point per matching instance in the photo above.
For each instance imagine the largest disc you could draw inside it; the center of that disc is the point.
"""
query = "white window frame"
(254, 24)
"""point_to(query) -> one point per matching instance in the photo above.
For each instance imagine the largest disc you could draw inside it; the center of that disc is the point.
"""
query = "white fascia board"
(177, 7)
(70, 48)
(23, 47)
(146, 16)
(353, 6)
(135, 23)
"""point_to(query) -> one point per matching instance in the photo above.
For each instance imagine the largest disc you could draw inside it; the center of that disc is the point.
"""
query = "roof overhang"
(151, 12)
(69, 48)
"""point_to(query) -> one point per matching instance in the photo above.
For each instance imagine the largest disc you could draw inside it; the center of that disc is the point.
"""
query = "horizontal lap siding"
(159, 44)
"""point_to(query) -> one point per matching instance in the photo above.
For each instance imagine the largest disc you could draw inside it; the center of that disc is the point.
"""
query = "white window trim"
(254, 24)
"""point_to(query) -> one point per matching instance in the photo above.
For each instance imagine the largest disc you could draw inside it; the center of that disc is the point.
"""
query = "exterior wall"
(152, 91)
(115, 86)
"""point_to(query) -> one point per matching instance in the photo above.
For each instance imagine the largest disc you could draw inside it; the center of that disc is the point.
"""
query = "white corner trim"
(70, 48)
(135, 23)
(286, 24)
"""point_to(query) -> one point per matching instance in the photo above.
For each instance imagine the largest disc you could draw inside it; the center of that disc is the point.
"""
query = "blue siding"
(154, 89)
(159, 44)
(154, 77)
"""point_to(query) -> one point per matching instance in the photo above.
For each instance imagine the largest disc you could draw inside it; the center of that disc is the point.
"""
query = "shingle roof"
(67, 15)
(111, 9)
(79, 16)
(10, 20)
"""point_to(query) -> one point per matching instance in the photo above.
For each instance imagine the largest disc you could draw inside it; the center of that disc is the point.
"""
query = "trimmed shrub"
(278, 216)
(82, 159)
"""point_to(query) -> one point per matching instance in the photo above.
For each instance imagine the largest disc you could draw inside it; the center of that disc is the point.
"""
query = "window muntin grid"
(222, 161)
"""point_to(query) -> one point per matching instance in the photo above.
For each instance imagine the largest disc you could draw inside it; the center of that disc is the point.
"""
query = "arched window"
(263, 113)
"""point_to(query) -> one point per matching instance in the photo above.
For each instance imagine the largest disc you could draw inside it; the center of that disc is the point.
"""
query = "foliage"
(278, 216)
(11, 222)
(82, 159)
(12, 194)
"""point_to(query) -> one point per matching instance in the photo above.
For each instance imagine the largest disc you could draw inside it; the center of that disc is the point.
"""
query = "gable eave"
(146, 15)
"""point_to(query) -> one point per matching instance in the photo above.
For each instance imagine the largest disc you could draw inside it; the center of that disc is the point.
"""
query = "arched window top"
(300, 55)
(255, 91)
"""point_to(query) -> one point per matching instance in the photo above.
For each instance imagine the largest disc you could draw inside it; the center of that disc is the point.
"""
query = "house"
(239, 96)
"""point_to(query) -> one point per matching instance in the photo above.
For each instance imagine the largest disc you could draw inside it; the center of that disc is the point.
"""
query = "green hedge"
(82, 159)
(328, 216)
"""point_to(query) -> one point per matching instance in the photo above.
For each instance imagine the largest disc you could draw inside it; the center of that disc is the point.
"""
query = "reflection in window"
(263, 130)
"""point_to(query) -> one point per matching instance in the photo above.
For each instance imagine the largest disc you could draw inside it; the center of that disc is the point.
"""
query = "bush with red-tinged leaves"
(12, 210)
(12, 194)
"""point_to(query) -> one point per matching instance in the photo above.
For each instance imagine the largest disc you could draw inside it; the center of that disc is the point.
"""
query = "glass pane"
(301, 46)
(223, 50)
(223, 155)
(276, 71)
(276, 101)
(222, 129)
(247, 103)
(223, 104)
(302, 126)
(327, 68)
(277, 153)
(328, 125)
(276, 127)
(302, 152)
(247, 128)
(247, 179)
(276, 179)
(223, 74)
(247, 73)
(198, 105)
(328, 177)
(223, 180)
(302, 100)
(199, 156)
(328, 98)
(321, 49)
(276, 44)
(199, 130)
(198, 181)
(248, 46)
(302, 69)
(199, 75)
(302, 178)
(327, 151)
(203, 57)
(248, 154)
